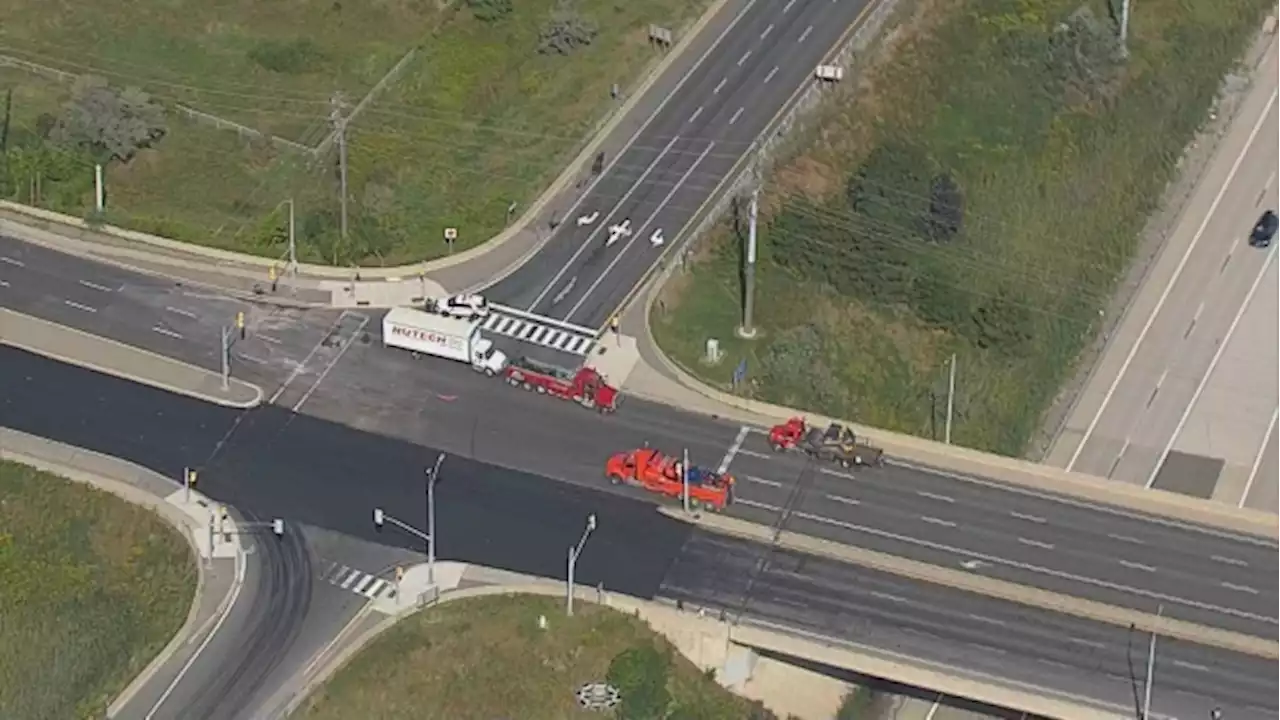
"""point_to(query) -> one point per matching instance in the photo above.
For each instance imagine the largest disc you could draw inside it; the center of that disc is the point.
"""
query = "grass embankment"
(980, 193)
(477, 120)
(91, 589)
(486, 658)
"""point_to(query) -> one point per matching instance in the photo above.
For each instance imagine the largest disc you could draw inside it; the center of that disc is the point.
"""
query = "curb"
(526, 220)
(967, 464)
(334, 663)
(7, 339)
(999, 589)
(135, 496)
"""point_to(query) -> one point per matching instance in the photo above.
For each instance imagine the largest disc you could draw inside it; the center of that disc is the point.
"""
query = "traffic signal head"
(591, 521)
(399, 573)
(240, 319)
(378, 518)
(277, 527)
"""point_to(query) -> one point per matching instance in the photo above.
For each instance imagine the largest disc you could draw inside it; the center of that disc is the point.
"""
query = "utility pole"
(1124, 29)
(340, 130)
(1151, 667)
(951, 399)
(749, 271)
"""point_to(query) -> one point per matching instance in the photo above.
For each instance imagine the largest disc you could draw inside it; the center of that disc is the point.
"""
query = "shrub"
(490, 10)
(289, 57)
(640, 675)
(566, 30)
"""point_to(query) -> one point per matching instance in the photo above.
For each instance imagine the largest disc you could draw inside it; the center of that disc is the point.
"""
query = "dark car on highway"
(1265, 230)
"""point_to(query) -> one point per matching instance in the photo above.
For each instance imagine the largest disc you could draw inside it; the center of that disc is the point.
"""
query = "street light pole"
(684, 480)
(574, 552)
(951, 397)
(1124, 29)
(433, 474)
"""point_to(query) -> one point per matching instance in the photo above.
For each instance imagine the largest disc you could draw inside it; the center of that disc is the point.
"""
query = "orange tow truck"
(660, 473)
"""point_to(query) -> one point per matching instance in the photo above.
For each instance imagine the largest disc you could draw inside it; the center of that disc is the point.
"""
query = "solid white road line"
(325, 373)
(166, 331)
(302, 366)
(733, 450)
(1177, 273)
(237, 584)
(603, 224)
(1217, 355)
(640, 232)
(78, 306)
(693, 69)
(1257, 459)
(179, 311)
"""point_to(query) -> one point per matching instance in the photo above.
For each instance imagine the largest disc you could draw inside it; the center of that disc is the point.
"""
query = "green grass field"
(486, 658)
(1060, 151)
(91, 589)
(477, 120)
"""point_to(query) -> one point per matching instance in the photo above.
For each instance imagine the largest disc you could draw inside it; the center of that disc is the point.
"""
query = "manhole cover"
(598, 696)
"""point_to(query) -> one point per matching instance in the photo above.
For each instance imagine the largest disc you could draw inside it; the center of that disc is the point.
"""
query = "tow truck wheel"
(526, 386)
(541, 390)
(844, 463)
(615, 479)
(489, 372)
(777, 447)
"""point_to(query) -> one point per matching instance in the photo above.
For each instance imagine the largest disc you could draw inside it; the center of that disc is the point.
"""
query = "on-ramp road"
(678, 158)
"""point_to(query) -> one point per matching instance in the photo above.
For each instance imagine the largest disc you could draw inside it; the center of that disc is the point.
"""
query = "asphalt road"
(1171, 405)
(969, 635)
(370, 395)
(677, 160)
(318, 473)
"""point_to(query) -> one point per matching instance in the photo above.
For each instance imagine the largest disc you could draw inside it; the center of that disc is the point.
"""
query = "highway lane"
(1042, 540)
(1130, 417)
(318, 473)
(1053, 542)
(678, 158)
(967, 635)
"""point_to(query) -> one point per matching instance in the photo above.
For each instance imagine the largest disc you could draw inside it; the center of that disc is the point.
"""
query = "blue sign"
(740, 372)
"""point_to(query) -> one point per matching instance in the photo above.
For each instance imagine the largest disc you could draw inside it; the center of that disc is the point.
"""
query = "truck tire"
(489, 372)
(615, 480)
(542, 390)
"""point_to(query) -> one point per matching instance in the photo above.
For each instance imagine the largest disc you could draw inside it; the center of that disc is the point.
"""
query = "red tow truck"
(583, 385)
(663, 474)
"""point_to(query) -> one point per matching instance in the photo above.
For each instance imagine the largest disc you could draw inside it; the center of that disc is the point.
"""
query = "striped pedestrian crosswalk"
(546, 334)
(359, 582)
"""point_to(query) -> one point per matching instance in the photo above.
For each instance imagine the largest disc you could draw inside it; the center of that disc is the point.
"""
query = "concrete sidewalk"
(220, 564)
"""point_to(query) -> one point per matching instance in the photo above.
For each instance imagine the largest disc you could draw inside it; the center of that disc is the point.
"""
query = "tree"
(111, 124)
(946, 209)
(490, 10)
(640, 675)
(566, 30)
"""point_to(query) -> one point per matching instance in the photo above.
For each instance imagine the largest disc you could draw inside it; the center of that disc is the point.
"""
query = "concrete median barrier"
(99, 354)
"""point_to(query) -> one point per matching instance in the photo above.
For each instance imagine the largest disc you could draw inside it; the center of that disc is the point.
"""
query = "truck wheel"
(527, 386)
(615, 479)
(489, 372)
(844, 464)
(542, 390)
(777, 447)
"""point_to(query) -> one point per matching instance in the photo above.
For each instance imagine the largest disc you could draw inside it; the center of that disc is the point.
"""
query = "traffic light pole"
(226, 358)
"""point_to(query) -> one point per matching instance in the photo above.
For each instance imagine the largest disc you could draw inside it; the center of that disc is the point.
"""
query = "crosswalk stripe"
(365, 582)
(532, 331)
(350, 579)
(373, 590)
